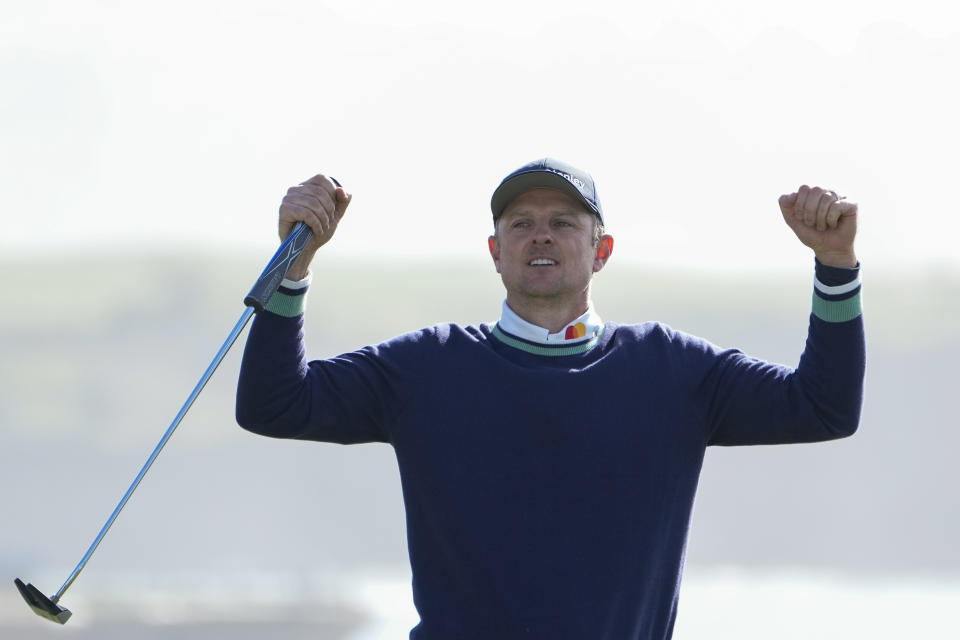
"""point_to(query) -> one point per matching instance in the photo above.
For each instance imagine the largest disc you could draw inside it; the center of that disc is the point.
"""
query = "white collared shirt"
(583, 328)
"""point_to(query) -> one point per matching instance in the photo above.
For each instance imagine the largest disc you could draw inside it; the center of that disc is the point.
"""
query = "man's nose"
(543, 235)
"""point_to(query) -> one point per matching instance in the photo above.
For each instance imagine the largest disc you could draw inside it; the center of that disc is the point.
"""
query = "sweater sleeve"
(755, 402)
(351, 398)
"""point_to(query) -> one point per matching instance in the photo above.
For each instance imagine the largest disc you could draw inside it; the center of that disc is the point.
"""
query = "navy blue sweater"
(548, 490)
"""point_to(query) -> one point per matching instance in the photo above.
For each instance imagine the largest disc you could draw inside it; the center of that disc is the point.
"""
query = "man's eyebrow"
(555, 212)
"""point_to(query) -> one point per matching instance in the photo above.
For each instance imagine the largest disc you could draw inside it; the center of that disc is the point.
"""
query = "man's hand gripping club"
(320, 204)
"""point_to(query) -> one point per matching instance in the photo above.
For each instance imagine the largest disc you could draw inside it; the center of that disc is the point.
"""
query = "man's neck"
(548, 314)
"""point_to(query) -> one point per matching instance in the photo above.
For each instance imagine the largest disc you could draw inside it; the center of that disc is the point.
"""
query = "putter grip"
(269, 281)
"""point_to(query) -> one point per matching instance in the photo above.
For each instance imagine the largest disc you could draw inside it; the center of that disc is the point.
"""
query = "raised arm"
(755, 402)
(279, 393)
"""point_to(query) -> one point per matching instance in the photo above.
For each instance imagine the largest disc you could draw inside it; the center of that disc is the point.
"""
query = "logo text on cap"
(573, 179)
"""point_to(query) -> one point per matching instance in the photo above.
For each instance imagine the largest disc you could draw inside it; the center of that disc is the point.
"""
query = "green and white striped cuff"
(837, 302)
(290, 300)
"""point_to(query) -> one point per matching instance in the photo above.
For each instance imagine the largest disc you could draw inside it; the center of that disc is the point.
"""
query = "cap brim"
(524, 182)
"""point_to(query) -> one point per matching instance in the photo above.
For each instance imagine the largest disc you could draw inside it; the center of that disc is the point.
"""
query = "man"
(549, 462)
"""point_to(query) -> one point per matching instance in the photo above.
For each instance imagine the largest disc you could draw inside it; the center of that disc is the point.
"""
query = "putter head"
(41, 604)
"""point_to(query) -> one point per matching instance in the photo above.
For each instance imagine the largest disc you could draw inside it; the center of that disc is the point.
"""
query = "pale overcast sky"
(183, 123)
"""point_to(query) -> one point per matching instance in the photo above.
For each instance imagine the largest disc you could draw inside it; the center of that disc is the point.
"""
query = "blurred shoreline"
(720, 603)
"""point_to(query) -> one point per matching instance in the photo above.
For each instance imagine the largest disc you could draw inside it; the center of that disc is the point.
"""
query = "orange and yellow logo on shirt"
(575, 331)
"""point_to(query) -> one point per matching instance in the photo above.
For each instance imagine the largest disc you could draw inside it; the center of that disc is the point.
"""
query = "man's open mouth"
(542, 262)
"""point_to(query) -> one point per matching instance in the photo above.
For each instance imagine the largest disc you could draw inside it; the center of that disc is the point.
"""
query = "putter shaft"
(234, 334)
(263, 289)
(255, 301)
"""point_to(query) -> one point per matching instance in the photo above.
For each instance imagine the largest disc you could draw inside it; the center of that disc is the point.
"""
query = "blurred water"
(716, 603)
(791, 604)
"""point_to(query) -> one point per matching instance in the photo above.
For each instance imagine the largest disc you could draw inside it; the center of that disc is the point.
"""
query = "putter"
(255, 301)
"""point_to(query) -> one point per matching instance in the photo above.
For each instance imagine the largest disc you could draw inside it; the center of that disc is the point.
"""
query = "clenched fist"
(824, 222)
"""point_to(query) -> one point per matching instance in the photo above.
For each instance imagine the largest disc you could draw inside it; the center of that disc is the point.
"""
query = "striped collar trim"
(581, 329)
(543, 349)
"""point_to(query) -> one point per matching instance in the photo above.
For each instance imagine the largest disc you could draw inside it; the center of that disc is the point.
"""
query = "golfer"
(549, 461)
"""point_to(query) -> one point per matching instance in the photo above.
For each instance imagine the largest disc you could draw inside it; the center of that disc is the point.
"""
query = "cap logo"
(574, 180)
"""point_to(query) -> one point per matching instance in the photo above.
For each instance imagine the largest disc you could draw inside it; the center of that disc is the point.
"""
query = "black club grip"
(269, 281)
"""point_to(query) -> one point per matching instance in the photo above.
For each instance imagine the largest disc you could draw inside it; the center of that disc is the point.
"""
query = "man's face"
(545, 249)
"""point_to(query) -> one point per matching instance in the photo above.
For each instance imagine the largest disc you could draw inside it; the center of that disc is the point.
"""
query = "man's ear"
(494, 247)
(604, 251)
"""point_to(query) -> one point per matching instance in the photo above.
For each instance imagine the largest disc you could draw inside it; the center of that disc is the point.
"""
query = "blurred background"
(144, 149)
